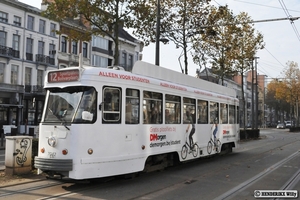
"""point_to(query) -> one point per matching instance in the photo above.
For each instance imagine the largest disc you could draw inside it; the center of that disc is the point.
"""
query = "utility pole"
(256, 94)
(252, 95)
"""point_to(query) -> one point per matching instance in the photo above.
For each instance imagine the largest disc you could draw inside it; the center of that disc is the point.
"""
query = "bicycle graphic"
(216, 144)
(187, 148)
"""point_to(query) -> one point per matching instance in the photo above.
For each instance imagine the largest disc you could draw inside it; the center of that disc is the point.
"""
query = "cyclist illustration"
(189, 118)
(214, 142)
(215, 127)
(190, 130)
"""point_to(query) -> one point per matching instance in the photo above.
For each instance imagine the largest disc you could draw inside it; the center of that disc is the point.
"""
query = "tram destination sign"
(63, 76)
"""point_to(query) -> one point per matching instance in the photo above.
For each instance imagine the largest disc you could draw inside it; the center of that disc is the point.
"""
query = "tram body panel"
(113, 147)
(97, 148)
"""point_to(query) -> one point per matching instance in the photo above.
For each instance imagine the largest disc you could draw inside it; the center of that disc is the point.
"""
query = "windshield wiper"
(58, 117)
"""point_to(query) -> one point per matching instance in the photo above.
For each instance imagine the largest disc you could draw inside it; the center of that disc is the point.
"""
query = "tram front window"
(71, 105)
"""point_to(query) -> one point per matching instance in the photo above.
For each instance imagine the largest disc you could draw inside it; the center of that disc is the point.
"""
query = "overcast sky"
(281, 36)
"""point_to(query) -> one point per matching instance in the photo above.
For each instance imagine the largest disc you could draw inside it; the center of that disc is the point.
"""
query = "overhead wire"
(259, 68)
(271, 66)
(279, 67)
(217, 3)
(289, 16)
(265, 5)
(263, 68)
(290, 19)
(274, 56)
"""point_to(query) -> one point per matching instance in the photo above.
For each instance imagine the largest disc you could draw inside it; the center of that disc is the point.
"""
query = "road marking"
(252, 180)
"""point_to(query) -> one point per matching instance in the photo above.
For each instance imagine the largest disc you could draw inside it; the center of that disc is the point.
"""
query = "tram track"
(242, 186)
(11, 190)
(289, 185)
(20, 184)
(69, 188)
(82, 186)
(272, 138)
(231, 193)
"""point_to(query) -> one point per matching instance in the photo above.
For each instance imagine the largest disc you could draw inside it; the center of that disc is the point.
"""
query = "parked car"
(281, 126)
(288, 124)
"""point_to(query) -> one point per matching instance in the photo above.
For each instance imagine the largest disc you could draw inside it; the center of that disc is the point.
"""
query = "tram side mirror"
(100, 106)
(64, 113)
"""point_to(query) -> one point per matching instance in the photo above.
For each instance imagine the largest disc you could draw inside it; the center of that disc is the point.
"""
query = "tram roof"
(158, 72)
(145, 69)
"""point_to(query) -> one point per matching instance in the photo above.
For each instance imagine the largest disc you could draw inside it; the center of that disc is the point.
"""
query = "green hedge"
(294, 129)
(249, 134)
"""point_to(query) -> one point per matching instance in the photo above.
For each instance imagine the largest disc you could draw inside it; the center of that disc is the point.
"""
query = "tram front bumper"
(60, 166)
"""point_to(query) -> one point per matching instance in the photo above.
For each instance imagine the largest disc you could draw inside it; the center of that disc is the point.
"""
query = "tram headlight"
(52, 141)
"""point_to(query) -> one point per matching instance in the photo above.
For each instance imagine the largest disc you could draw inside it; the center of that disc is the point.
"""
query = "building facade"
(254, 105)
(27, 43)
(29, 46)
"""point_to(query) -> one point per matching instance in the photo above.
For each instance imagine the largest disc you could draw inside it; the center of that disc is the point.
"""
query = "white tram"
(100, 122)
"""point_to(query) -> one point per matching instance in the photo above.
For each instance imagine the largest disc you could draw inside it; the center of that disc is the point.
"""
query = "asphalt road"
(269, 163)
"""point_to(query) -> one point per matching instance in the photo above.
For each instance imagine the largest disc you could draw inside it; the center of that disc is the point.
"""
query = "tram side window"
(111, 105)
(231, 114)
(224, 113)
(214, 112)
(189, 108)
(202, 112)
(152, 107)
(132, 110)
(173, 110)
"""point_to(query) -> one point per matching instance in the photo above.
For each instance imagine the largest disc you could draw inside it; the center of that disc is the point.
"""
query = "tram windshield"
(71, 105)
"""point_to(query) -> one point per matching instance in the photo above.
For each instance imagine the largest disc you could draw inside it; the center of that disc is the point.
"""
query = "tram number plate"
(51, 154)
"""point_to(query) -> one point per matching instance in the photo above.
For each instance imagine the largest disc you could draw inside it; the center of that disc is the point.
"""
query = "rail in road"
(271, 171)
(266, 164)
